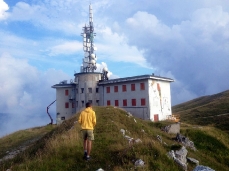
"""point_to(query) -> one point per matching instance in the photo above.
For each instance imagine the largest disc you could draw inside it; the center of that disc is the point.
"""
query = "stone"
(159, 138)
(139, 162)
(202, 168)
(100, 169)
(137, 141)
(192, 160)
(185, 141)
(172, 129)
(181, 154)
(122, 131)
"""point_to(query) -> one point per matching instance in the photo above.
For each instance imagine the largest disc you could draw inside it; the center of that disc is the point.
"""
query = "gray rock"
(185, 141)
(203, 168)
(139, 162)
(159, 138)
(181, 154)
(192, 160)
(179, 157)
(172, 129)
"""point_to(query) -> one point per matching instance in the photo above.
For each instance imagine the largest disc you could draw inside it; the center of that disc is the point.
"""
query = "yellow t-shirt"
(87, 119)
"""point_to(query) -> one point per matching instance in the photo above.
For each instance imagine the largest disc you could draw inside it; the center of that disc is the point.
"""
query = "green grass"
(206, 110)
(62, 149)
(22, 137)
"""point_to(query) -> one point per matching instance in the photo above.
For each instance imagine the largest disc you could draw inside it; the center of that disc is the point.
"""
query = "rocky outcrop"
(172, 129)
(179, 156)
(185, 141)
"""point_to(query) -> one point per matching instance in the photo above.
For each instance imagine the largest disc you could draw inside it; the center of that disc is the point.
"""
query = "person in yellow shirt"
(87, 120)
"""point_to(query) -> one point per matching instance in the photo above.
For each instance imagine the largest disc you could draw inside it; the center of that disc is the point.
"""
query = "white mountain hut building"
(146, 96)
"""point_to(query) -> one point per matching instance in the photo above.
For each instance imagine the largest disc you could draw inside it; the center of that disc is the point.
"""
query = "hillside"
(61, 148)
(207, 110)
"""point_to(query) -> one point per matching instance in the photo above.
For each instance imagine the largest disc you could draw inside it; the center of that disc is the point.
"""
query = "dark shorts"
(88, 134)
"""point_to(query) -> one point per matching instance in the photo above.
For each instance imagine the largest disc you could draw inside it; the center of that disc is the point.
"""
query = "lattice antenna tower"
(89, 60)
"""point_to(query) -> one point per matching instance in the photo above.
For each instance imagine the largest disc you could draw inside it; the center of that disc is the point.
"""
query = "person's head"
(88, 104)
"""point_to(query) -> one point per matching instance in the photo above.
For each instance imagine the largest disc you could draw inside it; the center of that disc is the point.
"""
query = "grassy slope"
(22, 137)
(61, 149)
(204, 111)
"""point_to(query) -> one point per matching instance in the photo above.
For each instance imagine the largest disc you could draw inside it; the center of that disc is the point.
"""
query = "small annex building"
(145, 96)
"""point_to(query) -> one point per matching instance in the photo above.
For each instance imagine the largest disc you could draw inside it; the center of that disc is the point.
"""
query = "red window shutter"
(142, 86)
(66, 105)
(143, 102)
(108, 102)
(132, 87)
(124, 102)
(133, 102)
(108, 89)
(123, 88)
(115, 88)
(116, 102)
(66, 92)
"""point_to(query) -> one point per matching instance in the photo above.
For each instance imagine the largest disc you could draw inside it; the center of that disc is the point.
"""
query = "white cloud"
(195, 51)
(66, 48)
(26, 92)
(113, 47)
(3, 8)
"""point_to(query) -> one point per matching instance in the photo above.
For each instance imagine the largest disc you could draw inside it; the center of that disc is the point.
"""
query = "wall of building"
(131, 96)
(87, 89)
(160, 100)
(65, 108)
(144, 97)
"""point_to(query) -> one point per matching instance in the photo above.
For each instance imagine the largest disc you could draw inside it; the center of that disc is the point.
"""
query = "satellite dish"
(92, 61)
(105, 69)
(93, 56)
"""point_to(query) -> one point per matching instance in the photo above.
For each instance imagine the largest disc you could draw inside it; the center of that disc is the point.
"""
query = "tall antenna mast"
(89, 60)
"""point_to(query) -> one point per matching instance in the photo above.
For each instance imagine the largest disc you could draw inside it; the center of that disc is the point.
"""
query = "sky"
(41, 45)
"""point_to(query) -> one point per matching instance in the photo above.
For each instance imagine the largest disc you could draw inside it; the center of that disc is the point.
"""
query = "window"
(97, 101)
(115, 88)
(124, 102)
(76, 103)
(66, 92)
(82, 102)
(123, 88)
(133, 102)
(108, 102)
(108, 89)
(97, 90)
(142, 86)
(132, 87)
(77, 91)
(66, 105)
(82, 90)
(90, 101)
(62, 118)
(89, 90)
(116, 102)
(73, 105)
(143, 102)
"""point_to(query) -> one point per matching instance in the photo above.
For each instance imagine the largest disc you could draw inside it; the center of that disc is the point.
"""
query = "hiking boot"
(88, 158)
(85, 156)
